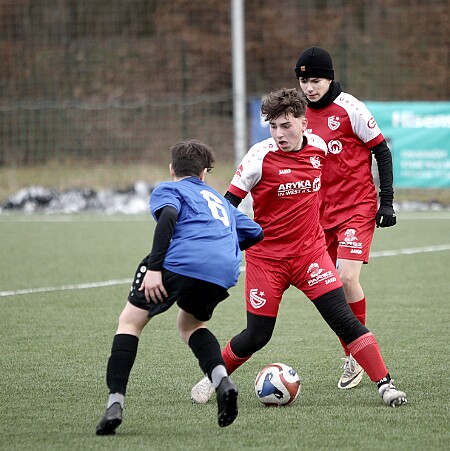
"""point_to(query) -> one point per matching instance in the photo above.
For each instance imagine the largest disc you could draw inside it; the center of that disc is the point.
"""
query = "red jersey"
(349, 131)
(284, 187)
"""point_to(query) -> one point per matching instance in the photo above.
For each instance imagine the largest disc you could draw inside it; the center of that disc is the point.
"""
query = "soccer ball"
(277, 385)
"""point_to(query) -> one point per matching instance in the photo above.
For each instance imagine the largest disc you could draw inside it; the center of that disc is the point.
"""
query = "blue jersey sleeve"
(246, 228)
(162, 196)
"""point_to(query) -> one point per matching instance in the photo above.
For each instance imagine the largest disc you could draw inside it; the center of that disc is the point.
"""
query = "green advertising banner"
(418, 134)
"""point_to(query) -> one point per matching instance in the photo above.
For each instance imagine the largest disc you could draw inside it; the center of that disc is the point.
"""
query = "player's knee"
(349, 272)
(257, 334)
(250, 341)
(349, 278)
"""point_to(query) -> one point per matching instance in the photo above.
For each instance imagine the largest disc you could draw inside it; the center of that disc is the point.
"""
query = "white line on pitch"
(390, 253)
(79, 286)
(415, 250)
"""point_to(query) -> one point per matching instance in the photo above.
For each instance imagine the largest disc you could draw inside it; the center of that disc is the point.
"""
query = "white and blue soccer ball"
(277, 384)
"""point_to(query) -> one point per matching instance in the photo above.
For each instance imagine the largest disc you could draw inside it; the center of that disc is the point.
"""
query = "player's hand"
(153, 287)
(386, 216)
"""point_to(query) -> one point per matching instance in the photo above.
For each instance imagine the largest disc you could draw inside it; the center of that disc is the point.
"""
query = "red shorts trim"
(266, 280)
(351, 240)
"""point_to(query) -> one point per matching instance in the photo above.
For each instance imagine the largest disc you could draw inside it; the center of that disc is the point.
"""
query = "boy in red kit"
(349, 210)
(283, 175)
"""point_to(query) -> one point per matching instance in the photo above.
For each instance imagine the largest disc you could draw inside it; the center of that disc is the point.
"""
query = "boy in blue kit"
(195, 259)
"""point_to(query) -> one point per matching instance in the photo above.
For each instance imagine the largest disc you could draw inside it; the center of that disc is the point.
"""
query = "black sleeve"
(383, 157)
(234, 200)
(167, 219)
(245, 244)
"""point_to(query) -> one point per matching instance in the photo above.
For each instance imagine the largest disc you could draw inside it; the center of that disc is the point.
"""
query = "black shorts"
(194, 296)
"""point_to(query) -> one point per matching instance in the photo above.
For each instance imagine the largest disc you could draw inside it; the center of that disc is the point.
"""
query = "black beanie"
(314, 62)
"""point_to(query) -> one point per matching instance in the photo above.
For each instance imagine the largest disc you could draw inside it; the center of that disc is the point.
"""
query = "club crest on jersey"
(333, 123)
(372, 123)
(335, 146)
(239, 170)
(315, 161)
(257, 298)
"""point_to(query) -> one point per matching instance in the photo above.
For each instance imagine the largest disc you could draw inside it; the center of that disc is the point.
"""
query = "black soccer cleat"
(110, 420)
(226, 394)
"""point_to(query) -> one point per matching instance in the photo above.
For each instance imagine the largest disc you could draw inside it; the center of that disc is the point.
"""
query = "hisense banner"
(418, 134)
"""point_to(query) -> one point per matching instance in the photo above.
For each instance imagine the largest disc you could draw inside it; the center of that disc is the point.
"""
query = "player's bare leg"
(349, 272)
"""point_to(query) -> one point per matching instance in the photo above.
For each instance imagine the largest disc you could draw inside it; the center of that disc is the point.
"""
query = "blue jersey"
(205, 243)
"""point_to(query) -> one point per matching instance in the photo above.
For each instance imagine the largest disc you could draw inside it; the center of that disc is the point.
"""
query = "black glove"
(385, 216)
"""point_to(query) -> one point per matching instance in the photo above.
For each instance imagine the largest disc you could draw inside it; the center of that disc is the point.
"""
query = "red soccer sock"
(367, 353)
(232, 361)
(359, 310)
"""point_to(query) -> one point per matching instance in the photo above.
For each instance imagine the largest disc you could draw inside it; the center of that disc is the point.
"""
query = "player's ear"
(203, 174)
(304, 124)
(172, 172)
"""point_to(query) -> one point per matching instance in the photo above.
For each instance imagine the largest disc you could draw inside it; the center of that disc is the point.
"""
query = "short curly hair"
(284, 101)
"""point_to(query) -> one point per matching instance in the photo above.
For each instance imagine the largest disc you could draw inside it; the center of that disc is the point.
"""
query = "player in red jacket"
(283, 175)
(349, 209)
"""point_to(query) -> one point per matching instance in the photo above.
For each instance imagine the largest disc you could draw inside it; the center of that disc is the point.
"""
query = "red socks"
(367, 353)
(232, 361)
(359, 310)
(364, 349)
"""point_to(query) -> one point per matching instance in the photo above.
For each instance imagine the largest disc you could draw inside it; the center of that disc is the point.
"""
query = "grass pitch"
(57, 320)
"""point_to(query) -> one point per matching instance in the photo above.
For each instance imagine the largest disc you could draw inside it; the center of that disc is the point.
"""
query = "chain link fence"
(107, 82)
